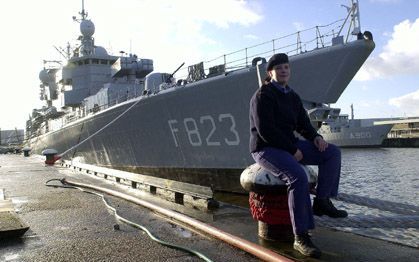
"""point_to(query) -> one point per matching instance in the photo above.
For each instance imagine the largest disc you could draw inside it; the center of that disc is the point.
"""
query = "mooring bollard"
(51, 156)
(26, 151)
(268, 201)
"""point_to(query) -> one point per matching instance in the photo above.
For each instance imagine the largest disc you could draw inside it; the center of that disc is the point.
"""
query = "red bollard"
(51, 156)
(272, 213)
(268, 202)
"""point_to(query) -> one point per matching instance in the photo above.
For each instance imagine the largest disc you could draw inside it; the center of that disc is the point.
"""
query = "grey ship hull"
(199, 133)
(371, 136)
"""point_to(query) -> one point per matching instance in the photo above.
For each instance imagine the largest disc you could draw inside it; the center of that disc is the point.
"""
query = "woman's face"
(281, 73)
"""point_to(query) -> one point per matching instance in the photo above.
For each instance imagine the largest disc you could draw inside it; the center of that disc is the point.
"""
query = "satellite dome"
(44, 76)
(99, 50)
(87, 28)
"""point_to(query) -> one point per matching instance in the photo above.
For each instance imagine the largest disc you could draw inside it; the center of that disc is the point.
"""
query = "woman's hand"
(320, 143)
(298, 155)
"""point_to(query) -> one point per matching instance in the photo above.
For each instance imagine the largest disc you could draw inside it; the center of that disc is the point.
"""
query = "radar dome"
(87, 28)
(99, 50)
(43, 76)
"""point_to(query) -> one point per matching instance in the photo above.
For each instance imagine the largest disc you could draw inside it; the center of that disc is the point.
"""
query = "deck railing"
(292, 44)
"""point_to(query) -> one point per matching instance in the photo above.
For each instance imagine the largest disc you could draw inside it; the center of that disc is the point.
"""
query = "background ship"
(338, 129)
(121, 114)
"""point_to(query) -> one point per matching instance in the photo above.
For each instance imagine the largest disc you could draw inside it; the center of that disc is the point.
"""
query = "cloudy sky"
(176, 31)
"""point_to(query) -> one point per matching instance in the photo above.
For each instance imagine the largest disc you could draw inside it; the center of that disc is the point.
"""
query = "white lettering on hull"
(194, 130)
(360, 135)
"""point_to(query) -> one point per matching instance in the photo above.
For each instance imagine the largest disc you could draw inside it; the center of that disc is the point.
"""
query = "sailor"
(276, 112)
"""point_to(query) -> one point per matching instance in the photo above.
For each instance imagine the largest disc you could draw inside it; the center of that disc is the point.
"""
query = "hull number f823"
(193, 129)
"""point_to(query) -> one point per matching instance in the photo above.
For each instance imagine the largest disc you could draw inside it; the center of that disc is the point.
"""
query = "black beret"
(277, 59)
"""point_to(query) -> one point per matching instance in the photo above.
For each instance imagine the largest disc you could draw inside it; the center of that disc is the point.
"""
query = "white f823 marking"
(236, 141)
(192, 130)
(211, 120)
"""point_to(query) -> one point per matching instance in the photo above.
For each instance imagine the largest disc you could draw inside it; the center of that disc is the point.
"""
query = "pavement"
(70, 225)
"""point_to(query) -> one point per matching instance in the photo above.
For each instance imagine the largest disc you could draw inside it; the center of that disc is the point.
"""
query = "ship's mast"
(87, 29)
(356, 18)
(83, 13)
(353, 14)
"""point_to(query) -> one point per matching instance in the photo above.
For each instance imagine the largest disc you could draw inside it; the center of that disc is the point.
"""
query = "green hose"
(191, 251)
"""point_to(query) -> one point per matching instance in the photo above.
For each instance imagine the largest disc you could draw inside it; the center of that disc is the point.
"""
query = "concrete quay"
(70, 225)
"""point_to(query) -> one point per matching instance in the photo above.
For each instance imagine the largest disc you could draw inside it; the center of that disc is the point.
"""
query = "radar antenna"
(83, 13)
(61, 51)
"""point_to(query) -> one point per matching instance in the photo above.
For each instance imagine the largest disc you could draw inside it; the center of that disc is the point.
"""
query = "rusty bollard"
(51, 156)
(268, 202)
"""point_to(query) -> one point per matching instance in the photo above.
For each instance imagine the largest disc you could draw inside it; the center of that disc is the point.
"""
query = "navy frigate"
(115, 111)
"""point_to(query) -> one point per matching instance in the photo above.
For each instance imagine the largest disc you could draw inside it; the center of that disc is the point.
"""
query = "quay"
(70, 225)
(405, 132)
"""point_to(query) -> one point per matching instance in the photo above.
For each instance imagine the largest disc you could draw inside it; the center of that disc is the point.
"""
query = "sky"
(175, 31)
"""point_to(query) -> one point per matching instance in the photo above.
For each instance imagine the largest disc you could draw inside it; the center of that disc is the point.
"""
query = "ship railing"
(292, 44)
(113, 102)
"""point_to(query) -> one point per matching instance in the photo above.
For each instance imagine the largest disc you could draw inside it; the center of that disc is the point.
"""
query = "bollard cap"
(49, 151)
(257, 179)
(26, 149)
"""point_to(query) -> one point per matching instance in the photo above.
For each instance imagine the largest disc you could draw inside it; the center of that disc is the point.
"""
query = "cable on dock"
(119, 217)
(243, 244)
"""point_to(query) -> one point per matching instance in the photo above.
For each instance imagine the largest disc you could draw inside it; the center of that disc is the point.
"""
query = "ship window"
(103, 62)
(95, 61)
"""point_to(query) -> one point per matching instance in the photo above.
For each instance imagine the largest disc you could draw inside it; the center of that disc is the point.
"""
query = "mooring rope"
(100, 130)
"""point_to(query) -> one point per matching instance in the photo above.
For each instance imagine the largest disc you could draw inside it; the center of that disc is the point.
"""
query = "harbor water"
(382, 174)
(387, 182)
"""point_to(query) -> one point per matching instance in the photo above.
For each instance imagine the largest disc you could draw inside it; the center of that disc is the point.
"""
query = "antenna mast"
(83, 13)
(356, 18)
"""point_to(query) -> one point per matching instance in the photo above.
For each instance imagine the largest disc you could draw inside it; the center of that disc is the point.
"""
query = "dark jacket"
(274, 116)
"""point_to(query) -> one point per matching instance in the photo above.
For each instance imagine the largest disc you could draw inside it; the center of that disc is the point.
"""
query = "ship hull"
(199, 133)
(371, 136)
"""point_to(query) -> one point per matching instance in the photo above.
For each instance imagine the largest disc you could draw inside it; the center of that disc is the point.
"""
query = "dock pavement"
(71, 225)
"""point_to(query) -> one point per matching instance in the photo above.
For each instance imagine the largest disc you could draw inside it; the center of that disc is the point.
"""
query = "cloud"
(252, 37)
(298, 26)
(400, 56)
(409, 103)
(172, 32)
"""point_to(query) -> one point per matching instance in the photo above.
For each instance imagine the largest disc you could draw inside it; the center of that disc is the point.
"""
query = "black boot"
(303, 244)
(326, 207)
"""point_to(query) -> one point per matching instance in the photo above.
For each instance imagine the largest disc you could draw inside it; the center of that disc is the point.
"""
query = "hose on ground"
(119, 217)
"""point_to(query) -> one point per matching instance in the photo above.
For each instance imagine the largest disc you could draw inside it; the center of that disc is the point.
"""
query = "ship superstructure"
(193, 129)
